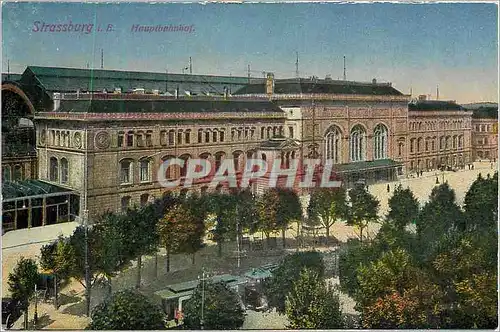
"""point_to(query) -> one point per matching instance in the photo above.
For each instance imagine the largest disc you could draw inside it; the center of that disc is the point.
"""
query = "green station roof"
(366, 165)
(167, 106)
(58, 79)
(434, 105)
(27, 188)
(297, 86)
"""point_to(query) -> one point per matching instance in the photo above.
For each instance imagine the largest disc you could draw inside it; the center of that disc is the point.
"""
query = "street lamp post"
(35, 318)
(202, 320)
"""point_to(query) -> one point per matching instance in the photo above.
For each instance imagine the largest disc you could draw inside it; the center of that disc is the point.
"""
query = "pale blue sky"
(419, 46)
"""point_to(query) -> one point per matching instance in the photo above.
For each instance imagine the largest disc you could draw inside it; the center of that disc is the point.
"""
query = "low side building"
(439, 135)
(485, 133)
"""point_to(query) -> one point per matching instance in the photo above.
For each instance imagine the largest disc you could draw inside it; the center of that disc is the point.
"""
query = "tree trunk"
(26, 319)
(168, 260)
(110, 286)
(361, 233)
(219, 247)
(139, 267)
(156, 265)
(283, 236)
(55, 292)
(327, 233)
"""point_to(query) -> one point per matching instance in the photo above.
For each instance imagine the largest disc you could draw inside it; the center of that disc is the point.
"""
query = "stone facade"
(439, 136)
(484, 139)
(142, 143)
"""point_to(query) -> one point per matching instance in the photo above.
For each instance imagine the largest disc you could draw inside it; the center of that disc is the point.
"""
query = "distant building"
(439, 135)
(485, 133)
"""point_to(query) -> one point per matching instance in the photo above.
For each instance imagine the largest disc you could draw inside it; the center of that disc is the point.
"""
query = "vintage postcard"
(260, 166)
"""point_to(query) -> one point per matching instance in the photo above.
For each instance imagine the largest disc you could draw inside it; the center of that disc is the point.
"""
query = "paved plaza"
(70, 314)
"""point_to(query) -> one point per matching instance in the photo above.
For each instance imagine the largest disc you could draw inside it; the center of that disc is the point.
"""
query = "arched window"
(215, 135)
(54, 169)
(262, 133)
(200, 135)
(441, 143)
(221, 135)
(455, 142)
(447, 143)
(126, 175)
(333, 140)
(236, 159)
(380, 142)
(6, 173)
(419, 144)
(130, 138)
(412, 145)
(125, 203)
(187, 136)
(64, 170)
(171, 137)
(218, 160)
(358, 143)
(400, 148)
(145, 170)
(184, 157)
(460, 141)
(179, 137)
(269, 132)
(207, 136)
(169, 172)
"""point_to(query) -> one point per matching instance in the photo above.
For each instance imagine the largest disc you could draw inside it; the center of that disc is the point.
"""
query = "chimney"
(422, 97)
(270, 84)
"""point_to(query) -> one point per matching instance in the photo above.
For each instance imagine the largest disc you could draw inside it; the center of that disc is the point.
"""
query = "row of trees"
(176, 223)
(443, 275)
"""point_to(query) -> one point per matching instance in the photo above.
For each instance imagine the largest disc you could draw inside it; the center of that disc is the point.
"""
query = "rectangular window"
(426, 146)
(144, 171)
(121, 139)
(179, 137)
(130, 138)
(221, 136)
(140, 140)
(207, 136)
(163, 137)
(214, 136)
(125, 172)
(262, 133)
(290, 130)
(149, 138)
(200, 136)
(171, 137)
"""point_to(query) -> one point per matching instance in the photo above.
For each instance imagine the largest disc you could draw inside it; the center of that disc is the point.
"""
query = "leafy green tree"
(179, 231)
(439, 218)
(481, 203)
(277, 208)
(222, 308)
(363, 208)
(327, 205)
(281, 281)
(403, 207)
(352, 255)
(199, 210)
(127, 310)
(465, 268)
(22, 281)
(140, 234)
(312, 304)
(223, 207)
(58, 257)
(394, 282)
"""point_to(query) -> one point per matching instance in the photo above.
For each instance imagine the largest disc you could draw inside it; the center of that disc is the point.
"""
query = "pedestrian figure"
(472, 166)
(176, 317)
(388, 188)
(421, 173)
(437, 180)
